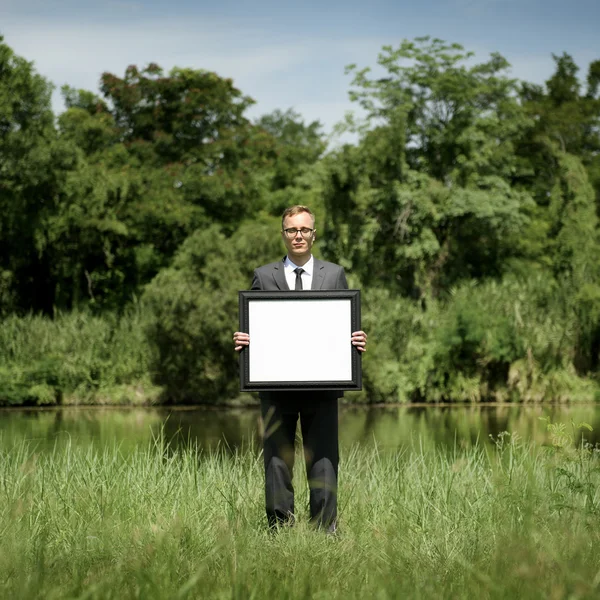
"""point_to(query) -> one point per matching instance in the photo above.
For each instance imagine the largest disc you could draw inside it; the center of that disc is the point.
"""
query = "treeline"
(466, 211)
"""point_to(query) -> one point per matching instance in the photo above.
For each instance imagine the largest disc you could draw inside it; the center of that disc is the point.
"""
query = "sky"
(287, 54)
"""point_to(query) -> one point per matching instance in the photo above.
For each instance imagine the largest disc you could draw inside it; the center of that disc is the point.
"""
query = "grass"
(511, 520)
(75, 358)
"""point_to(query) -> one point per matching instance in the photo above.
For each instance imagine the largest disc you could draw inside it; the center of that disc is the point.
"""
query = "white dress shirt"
(309, 267)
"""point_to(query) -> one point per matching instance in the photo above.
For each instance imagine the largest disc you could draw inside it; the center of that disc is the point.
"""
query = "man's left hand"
(359, 339)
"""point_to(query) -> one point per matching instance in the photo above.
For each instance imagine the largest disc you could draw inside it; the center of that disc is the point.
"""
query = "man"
(318, 411)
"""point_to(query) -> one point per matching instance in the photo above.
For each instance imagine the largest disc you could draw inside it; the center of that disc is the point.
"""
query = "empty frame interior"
(300, 340)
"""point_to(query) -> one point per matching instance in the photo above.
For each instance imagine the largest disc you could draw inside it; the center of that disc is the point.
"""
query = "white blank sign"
(300, 340)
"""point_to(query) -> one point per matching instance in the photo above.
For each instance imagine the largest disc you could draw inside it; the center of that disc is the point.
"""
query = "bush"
(499, 340)
(75, 357)
(194, 308)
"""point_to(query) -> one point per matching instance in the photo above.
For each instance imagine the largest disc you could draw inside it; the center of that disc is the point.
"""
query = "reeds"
(488, 521)
(75, 356)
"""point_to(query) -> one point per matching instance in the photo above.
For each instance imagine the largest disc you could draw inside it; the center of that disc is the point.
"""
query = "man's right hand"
(241, 340)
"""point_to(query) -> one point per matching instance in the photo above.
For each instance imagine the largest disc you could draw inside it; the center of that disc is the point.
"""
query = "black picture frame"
(307, 351)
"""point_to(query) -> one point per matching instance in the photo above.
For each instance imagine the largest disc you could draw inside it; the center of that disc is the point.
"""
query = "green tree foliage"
(298, 146)
(441, 203)
(576, 258)
(508, 340)
(34, 164)
(423, 201)
(450, 120)
(564, 120)
(562, 147)
(194, 304)
(162, 156)
(467, 211)
(295, 175)
(196, 120)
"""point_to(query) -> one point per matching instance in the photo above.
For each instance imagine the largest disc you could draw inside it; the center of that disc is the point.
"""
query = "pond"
(390, 427)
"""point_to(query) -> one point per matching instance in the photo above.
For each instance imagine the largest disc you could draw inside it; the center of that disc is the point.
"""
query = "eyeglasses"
(291, 232)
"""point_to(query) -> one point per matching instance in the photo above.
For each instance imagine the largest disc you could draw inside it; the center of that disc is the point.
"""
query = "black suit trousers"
(318, 413)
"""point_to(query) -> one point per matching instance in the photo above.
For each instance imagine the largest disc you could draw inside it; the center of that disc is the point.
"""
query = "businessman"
(318, 410)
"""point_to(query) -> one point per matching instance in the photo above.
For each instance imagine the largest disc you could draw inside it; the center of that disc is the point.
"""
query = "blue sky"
(287, 54)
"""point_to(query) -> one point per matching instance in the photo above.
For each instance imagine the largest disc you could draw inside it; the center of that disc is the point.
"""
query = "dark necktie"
(298, 286)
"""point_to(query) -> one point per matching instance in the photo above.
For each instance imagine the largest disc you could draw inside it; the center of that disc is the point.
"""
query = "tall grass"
(512, 520)
(74, 356)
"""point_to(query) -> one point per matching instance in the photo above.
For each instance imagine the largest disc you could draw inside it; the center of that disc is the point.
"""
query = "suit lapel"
(279, 277)
(318, 275)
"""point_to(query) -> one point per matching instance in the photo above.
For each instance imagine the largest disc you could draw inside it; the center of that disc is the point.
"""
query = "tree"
(193, 121)
(562, 120)
(298, 145)
(447, 116)
(425, 199)
(162, 157)
(194, 304)
(34, 165)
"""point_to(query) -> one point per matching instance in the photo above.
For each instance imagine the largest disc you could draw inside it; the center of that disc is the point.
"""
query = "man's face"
(298, 247)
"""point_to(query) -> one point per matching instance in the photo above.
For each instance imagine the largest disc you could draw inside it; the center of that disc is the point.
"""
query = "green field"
(510, 519)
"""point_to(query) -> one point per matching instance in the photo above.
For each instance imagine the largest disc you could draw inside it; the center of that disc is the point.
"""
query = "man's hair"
(292, 211)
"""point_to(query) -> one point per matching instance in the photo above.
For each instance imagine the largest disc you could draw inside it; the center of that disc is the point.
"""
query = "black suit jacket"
(271, 278)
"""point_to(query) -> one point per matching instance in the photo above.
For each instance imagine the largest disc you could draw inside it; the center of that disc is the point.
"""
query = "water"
(391, 428)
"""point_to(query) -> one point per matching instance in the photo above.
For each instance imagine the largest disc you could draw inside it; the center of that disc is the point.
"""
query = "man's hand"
(241, 340)
(359, 339)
